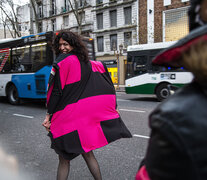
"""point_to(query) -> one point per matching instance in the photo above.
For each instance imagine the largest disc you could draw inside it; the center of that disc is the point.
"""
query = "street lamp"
(118, 53)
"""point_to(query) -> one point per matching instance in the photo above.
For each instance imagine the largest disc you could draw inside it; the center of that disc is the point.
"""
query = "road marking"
(141, 136)
(21, 115)
(130, 110)
(123, 100)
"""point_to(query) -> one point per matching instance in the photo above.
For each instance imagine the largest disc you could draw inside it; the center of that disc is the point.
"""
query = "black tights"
(92, 165)
(64, 166)
(63, 169)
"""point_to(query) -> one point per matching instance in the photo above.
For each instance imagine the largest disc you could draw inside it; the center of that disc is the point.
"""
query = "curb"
(121, 88)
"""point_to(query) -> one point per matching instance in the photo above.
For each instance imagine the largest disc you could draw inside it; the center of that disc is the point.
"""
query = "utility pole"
(118, 53)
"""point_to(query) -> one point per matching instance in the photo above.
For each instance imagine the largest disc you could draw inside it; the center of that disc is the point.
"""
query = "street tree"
(3, 19)
(78, 8)
(9, 17)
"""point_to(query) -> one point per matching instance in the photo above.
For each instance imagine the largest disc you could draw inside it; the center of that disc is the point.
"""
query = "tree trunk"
(32, 3)
(78, 13)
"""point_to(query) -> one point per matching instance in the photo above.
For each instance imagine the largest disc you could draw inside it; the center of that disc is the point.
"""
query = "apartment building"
(115, 24)
(110, 22)
(54, 15)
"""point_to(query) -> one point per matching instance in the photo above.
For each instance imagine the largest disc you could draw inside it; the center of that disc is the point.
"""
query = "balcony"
(65, 9)
(111, 4)
(52, 12)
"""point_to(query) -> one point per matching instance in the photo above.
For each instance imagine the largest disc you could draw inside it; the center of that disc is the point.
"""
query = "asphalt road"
(22, 136)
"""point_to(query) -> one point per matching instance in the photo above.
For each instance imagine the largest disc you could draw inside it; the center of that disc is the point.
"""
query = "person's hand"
(46, 123)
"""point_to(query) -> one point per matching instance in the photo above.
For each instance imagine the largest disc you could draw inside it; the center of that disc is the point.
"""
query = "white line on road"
(21, 115)
(130, 110)
(141, 136)
(123, 100)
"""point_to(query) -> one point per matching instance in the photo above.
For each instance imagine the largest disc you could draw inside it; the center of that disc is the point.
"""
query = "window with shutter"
(113, 18)
(99, 18)
(128, 15)
(113, 42)
(100, 44)
(127, 39)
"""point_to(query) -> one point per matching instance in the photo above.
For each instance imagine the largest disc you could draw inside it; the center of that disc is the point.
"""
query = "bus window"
(38, 56)
(153, 68)
(7, 67)
(140, 65)
(20, 59)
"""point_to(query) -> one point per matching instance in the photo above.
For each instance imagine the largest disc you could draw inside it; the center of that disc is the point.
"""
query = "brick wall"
(142, 21)
(158, 15)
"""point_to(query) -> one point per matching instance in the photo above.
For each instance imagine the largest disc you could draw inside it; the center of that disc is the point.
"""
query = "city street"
(22, 135)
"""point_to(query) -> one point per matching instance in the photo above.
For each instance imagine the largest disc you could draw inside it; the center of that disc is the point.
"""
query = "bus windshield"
(140, 62)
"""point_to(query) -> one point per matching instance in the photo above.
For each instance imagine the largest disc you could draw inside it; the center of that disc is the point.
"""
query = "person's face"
(64, 46)
(203, 11)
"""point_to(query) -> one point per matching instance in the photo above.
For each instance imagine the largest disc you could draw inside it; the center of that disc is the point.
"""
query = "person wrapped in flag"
(81, 105)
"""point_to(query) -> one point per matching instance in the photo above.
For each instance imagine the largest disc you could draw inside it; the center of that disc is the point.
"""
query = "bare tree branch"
(11, 20)
(10, 15)
(74, 11)
(15, 17)
(78, 12)
(13, 36)
(4, 23)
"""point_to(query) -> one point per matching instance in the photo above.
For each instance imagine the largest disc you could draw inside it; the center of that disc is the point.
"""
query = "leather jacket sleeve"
(164, 160)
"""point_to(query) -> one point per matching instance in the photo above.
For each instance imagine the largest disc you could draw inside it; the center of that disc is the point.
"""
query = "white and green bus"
(144, 78)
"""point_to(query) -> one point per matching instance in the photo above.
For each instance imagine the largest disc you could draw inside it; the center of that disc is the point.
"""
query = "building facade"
(23, 15)
(55, 15)
(110, 22)
(114, 24)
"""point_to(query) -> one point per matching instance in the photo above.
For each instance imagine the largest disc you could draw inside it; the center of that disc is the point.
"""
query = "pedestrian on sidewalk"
(81, 105)
(177, 146)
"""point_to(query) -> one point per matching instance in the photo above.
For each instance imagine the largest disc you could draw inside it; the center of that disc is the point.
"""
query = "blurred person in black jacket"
(178, 145)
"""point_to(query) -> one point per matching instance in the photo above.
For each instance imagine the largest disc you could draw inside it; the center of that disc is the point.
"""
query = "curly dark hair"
(75, 40)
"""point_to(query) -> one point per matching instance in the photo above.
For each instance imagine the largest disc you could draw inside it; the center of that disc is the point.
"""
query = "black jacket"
(178, 144)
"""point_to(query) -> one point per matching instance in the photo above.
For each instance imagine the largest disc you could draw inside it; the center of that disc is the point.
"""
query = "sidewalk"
(120, 89)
